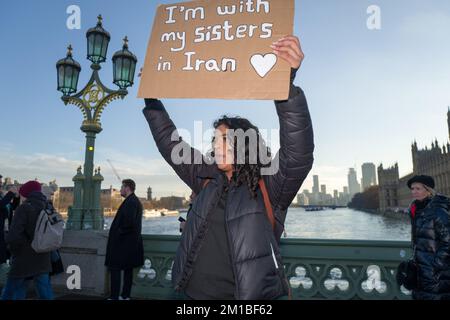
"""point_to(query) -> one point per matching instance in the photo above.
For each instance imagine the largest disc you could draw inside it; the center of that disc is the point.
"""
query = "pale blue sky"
(371, 93)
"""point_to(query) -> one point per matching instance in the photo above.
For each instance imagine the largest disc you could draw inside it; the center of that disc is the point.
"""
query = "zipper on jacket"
(230, 247)
(184, 281)
(273, 256)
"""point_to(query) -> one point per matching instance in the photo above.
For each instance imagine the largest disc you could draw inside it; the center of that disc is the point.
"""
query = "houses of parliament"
(434, 161)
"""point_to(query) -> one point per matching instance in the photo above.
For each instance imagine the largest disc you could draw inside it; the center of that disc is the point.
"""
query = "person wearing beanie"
(429, 213)
(30, 187)
(25, 262)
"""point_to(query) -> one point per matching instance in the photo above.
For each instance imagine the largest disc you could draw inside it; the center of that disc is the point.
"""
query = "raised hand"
(289, 49)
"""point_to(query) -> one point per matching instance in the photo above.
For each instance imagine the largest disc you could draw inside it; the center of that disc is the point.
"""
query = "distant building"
(318, 198)
(388, 181)
(110, 200)
(149, 194)
(353, 184)
(315, 188)
(63, 198)
(302, 199)
(369, 176)
(172, 203)
(308, 197)
(344, 197)
(327, 200)
(336, 197)
(435, 162)
(50, 189)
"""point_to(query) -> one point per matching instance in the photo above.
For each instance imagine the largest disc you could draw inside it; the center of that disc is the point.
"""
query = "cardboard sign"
(218, 49)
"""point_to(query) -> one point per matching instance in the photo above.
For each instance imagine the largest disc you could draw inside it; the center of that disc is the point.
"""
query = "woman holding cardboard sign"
(230, 244)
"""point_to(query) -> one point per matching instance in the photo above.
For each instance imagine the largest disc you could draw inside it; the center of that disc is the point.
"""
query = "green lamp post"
(86, 211)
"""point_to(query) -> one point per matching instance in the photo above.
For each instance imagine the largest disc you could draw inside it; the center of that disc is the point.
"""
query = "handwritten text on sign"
(218, 49)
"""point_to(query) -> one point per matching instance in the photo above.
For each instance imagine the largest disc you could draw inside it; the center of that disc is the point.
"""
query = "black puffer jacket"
(431, 237)
(254, 247)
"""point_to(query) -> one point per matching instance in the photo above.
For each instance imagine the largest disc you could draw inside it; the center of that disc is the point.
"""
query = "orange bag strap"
(271, 217)
(267, 203)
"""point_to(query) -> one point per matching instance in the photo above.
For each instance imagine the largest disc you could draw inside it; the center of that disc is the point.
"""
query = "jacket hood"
(37, 196)
(37, 199)
(440, 201)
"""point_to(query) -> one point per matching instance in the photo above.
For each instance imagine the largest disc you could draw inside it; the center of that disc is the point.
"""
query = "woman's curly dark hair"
(245, 173)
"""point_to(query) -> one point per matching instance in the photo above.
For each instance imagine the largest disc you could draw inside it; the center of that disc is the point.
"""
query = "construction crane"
(114, 170)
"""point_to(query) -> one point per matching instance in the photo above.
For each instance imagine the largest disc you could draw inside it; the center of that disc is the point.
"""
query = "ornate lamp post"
(86, 212)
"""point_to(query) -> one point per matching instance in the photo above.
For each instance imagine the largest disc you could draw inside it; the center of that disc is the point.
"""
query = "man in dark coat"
(25, 262)
(229, 249)
(125, 249)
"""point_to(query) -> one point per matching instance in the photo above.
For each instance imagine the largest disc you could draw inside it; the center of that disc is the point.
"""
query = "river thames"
(327, 224)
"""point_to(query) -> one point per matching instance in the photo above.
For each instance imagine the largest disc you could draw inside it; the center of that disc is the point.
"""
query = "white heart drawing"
(263, 63)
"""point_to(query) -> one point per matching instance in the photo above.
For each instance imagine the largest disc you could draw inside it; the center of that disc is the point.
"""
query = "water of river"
(327, 224)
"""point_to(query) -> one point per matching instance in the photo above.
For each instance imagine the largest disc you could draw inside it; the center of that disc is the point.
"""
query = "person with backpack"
(55, 255)
(26, 263)
(229, 247)
(430, 223)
